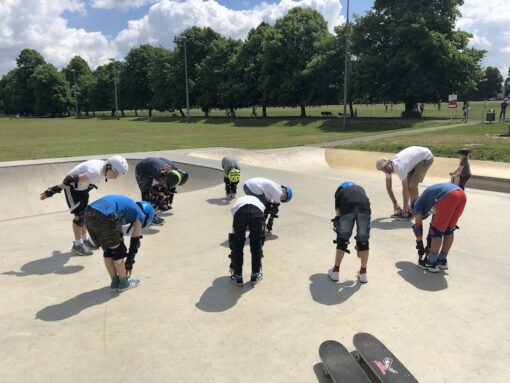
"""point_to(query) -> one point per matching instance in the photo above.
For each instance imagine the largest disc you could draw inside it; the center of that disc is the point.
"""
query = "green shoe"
(114, 286)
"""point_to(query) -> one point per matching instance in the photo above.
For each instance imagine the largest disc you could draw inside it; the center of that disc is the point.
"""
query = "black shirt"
(352, 199)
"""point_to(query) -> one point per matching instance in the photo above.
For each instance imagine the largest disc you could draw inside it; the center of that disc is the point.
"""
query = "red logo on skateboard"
(385, 366)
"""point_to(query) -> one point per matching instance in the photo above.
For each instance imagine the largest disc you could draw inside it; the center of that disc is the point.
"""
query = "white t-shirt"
(247, 200)
(93, 169)
(270, 189)
(405, 160)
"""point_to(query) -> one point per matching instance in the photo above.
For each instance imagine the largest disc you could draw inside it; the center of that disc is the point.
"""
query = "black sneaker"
(403, 216)
(158, 221)
(427, 265)
(256, 278)
(442, 264)
(236, 279)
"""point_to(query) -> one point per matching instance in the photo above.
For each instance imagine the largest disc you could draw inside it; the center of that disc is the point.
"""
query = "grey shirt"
(466, 169)
(228, 163)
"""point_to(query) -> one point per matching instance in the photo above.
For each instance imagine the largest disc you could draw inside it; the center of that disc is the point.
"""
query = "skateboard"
(339, 364)
(382, 362)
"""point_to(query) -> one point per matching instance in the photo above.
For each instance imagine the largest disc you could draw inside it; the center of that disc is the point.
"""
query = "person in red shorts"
(446, 202)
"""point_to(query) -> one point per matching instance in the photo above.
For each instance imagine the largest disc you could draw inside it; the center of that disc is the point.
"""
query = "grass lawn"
(35, 138)
(489, 142)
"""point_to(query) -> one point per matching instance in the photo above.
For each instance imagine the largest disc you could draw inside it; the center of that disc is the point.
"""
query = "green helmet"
(234, 175)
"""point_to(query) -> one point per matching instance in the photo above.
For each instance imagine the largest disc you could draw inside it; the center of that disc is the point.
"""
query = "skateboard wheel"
(326, 373)
(357, 356)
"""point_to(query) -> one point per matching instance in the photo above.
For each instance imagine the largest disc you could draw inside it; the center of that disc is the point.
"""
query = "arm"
(458, 171)
(134, 245)
(65, 184)
(389, 189)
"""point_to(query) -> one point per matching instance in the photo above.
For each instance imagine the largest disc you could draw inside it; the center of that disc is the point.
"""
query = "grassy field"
(35, 138)
(488, 142)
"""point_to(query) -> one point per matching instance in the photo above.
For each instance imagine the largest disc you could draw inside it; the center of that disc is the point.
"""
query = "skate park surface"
(187, 323)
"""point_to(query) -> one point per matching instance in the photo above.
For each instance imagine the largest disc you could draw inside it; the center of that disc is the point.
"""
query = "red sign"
(452, 101)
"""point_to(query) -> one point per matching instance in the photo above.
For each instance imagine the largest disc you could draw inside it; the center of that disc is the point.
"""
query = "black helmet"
(463, 151)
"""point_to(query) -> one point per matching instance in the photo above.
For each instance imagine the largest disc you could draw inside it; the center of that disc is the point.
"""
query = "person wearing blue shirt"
(104, 219)
(446, 202)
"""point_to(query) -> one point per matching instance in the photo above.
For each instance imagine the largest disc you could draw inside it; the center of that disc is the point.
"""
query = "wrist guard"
(336, 223)
(134, 244)
(52, 190)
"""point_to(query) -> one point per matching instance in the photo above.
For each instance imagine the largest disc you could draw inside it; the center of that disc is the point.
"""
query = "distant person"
(231, 176)
(248, 213)
(463, 171)
(386, 107)
(157, 179)
(422, 108)
(439, 105)
(270, 194)
(351, 206)
(502, 113)
(465, 112)
(104, 219)
(77, 184)
(411, 165)
(253, 112)
(447, 202)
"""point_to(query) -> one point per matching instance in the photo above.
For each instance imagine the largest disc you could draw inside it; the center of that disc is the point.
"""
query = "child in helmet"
(104, 219)
(270, 194)
(77, 185)
(157, 179)
(232, 175)
(248, 213)
(464, 169)
(352, 206)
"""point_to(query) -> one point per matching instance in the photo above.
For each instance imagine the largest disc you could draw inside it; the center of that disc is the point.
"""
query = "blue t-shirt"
(431, 195)
(150, 167)
(126, 210)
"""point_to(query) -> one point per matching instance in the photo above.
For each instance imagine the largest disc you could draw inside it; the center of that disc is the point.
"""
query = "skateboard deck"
(381, 361)
(339, 364)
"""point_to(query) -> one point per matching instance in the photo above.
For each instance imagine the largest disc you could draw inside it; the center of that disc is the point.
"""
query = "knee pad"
(434, 233)
(79, 219)
(450, 230)
(341, 244)
(119, 252)
(361, 245)
(231, 241)
(262, 238)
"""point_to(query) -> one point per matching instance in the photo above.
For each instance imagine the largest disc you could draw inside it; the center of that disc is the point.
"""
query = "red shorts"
(449, 210)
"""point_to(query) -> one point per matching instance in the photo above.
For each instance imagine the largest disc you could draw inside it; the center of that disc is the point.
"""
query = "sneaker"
(233, 196)
(114, 286)
(81, 249)
(90, 244)
(442, 264)
(334, 275)
(402, 216)
(131, 284)
(236, 279)
(363, 278)
(255, 278)
(427, 265)
(158, 221)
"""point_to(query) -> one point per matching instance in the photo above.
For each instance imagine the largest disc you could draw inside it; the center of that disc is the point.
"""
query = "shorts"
(417, 174)
(448, 210)
(144, 184)
(104, 230)
(346, 225)
(77, 200)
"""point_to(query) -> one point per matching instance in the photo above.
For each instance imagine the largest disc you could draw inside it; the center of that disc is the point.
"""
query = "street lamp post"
(115, 90)
(75, 94)
(346, 65)
(186, 78)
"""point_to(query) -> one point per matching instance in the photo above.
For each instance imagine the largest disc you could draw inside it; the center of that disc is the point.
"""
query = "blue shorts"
(346, 225)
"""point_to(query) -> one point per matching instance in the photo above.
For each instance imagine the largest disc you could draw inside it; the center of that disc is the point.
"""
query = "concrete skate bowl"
(21, 185)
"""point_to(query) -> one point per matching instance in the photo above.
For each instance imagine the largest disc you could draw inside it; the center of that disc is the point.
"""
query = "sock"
(84, 237)
(442, 257)
(123, 280)
(115, 278)
(78, 242)
(432, 258)
(336, 268)
(363, 270)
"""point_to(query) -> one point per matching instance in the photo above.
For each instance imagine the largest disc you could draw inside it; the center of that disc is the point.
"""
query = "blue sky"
(100, 29)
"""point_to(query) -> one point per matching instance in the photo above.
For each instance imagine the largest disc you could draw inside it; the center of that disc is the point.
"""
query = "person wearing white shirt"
(411, 166)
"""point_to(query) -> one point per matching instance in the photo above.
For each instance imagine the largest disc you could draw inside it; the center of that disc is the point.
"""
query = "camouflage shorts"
(104, 230)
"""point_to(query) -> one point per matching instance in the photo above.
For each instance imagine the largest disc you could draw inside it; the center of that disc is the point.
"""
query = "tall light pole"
(186, 77)
(75, 94)
(115, 89)
(346, 62)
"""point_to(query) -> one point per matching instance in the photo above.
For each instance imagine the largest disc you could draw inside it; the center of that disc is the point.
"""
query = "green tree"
(7, 86)
(490, 84)
(84, 80)
(51, 91)
(408, 50)
(162, 80)
(288, 48)
(23, 98)
(507, 84)
(102, 94)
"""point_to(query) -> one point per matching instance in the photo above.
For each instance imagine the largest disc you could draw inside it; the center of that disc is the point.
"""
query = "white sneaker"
(131, 284)
(363, 278)
(81, 249)
(334, 275)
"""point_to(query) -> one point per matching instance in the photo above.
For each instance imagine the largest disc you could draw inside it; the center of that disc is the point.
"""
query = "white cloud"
(123, 5)
(38, 24)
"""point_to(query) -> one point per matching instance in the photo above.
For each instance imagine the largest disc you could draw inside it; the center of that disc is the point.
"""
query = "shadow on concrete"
(56, 264)
(422, 279)
(219, 201)
(271, 237)
(327, 292)
(319, 373)
(75, 305)
(222, 295)
(390, 224)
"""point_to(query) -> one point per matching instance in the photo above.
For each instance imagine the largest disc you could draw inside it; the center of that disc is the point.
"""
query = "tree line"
(399, 52)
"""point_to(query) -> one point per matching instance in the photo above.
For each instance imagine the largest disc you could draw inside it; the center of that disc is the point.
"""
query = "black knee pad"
(231, 241)
(79, 219)
(361, 245)
(262, 238)
(342, 244)
(119, 252)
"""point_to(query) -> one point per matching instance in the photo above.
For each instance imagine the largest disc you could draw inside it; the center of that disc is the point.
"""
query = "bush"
(410, 114)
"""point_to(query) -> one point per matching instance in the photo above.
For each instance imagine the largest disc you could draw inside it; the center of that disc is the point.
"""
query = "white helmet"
(119, 164)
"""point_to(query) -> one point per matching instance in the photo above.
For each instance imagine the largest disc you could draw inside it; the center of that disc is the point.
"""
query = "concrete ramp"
(22, 184)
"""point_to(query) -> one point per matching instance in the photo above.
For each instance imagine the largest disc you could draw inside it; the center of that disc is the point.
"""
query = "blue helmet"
(148, 211)
(346, 184)
(289, 192)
